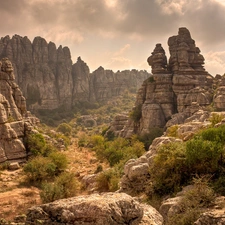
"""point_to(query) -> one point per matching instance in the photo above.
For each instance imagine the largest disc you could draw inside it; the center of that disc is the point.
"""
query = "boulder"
(96, 209)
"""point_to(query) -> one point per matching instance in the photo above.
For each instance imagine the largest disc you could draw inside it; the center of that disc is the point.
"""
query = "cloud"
(215, 62)
(145, 22)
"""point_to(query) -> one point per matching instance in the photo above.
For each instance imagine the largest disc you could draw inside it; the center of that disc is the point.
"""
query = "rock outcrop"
(15, 121)
(177, 89)
(49, 79)
(104, 209)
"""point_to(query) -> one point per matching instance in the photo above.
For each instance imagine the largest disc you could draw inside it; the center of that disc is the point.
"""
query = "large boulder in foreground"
(95, 209)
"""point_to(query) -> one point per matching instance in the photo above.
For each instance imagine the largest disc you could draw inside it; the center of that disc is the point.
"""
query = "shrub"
(65, 186)
(64, 128)
(215, 118)
(60, 161)
(203, 156)
(39, 169)
(108, 180)
(83, 140)
(148, 138)
(136, 113)
(172, 131)
(35, 143)
(205, 152)
(193, 203)
(168, 171)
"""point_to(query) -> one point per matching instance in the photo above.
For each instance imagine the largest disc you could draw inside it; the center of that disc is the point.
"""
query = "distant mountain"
(49, 79)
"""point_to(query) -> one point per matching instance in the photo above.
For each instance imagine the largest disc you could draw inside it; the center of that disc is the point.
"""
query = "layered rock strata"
(15, 121)
(49, 79)
(177, 89)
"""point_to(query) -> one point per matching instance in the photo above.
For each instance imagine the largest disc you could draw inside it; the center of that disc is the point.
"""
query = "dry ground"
(16, 198)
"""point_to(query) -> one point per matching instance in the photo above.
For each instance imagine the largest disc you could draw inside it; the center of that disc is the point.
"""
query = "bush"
(64, 128)
(35, 143)
(205, 152)
(172, 131)
(60, 161)
(108, 180)
(168, 171)
(39, 169)
(65, 186)
(193, 204)
(136, 113)
(215, 118)
(148, 138)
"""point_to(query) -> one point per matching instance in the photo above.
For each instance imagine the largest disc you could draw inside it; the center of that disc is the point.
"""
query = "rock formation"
(177, 89)
(14, 118)
(108, 208)
(49, 79)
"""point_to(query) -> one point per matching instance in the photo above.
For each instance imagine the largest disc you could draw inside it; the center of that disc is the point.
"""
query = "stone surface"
(15, 121)
(108, 208)
(177, 89)
(49, 79)
(136, 171)
(215, 215)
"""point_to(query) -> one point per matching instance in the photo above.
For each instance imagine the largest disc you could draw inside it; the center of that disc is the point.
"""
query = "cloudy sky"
(119, 34)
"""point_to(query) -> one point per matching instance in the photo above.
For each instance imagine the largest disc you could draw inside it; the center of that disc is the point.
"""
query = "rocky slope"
(49, 79)
(15, 121)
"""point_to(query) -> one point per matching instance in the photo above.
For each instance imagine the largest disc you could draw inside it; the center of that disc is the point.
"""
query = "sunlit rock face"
(49, 79)
(14, 120)
(178, 88)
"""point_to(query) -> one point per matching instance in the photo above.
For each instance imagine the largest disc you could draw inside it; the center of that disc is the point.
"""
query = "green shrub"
(215, 118)
(193, 203)
(99, 169)
(64, 128)
(35, 143)
(136, 113)
(4, 165)
(60, 161)
(203, 156)
(64, 186)
(168, 171)
(108, 180)
(83, 140)
(172, 131)
(39, 169)
(148, 138)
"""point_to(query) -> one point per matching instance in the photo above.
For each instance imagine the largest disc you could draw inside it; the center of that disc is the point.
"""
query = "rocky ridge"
(49, 79)
(15, 121)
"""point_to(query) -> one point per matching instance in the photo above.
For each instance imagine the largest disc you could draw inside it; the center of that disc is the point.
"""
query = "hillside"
(162, 162)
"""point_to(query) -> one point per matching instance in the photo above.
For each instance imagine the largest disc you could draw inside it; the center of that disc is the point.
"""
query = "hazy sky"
(119, 34)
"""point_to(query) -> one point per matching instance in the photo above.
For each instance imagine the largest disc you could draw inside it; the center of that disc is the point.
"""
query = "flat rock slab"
(95, 209)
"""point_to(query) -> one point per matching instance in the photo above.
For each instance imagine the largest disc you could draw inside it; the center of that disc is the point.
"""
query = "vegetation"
(201, 195)
(64, 128)
(148, 138)
(176, 164)
(64, 186)
(136, 113)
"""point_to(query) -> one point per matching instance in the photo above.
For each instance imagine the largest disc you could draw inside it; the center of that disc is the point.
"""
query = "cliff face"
(14, 121)
(48, 79)
(178, 88)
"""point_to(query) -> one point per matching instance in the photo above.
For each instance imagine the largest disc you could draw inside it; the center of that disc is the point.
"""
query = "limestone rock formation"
(105, 209)
(177, 89)
(14, 119)
(136, 171)
(213, 216)
(49, 79)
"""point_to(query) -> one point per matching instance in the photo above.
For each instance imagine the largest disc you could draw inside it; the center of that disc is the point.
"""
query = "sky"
(119, 34)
